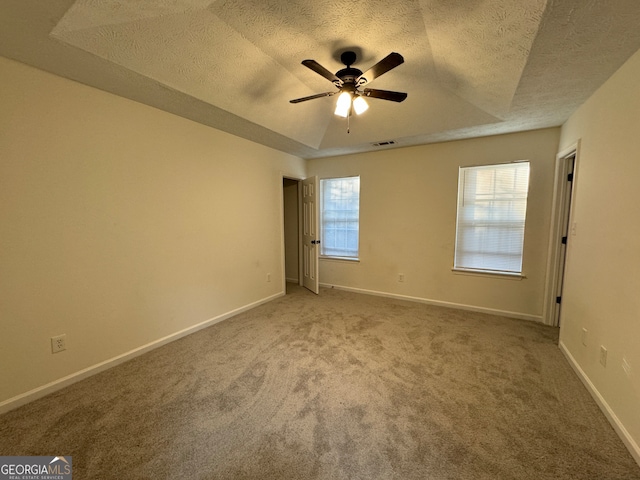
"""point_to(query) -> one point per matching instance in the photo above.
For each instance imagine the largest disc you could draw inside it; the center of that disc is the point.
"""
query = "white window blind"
(340, 216)
(492, 205)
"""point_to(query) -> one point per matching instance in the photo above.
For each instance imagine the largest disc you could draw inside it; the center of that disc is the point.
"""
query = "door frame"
(555, 259)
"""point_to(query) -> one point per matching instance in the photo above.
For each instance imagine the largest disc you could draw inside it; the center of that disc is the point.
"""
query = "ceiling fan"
(349, 80)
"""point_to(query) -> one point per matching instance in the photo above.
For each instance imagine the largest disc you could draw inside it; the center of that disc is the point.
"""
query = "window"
(339, 217)
(492, 205)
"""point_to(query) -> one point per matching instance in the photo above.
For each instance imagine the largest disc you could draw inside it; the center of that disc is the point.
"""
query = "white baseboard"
(472, 308)
(615, 422)
(51, 387)
(292, 280)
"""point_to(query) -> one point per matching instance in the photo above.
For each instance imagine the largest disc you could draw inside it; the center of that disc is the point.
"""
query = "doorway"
(300, 242)
(291, 216)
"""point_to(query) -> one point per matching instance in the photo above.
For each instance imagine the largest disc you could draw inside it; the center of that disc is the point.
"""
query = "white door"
(310, 235)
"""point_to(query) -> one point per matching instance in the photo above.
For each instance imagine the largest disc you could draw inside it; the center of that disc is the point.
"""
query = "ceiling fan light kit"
(360, 105)
(343, 105)
(349, 80)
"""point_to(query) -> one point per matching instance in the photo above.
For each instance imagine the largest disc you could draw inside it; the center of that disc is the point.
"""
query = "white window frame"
(324, 243)
(503, 213)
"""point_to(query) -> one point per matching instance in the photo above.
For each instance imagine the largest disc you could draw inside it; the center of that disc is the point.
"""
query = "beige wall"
(408, 221)
(602, 286)
(121, 224)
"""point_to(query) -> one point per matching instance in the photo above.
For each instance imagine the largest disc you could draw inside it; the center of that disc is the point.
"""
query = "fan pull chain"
(349, 123)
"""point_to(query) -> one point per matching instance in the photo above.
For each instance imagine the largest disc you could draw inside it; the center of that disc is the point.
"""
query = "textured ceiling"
(472, 67)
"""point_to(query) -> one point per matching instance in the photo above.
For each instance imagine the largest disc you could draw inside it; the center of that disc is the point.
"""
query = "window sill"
(340, 259)
(484, 273)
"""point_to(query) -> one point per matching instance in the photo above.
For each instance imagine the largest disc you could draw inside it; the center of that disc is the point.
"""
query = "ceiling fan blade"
(311, 97)
(319, 69)
(385, 94)
(383, 66)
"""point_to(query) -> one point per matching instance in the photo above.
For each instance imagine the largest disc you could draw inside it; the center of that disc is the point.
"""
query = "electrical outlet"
(603, 356)
(59, 343)
(584, 337)
(401, 277)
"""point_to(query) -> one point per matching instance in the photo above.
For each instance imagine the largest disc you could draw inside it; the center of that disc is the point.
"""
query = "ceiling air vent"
(384, 144)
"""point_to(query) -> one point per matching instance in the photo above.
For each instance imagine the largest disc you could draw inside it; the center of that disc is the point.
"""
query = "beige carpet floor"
(335, 386)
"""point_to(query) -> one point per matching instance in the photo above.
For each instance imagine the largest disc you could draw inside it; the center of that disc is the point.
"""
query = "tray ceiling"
(472, 68)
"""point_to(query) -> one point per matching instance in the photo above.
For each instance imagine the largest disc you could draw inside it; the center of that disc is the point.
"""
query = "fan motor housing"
(349, 75)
